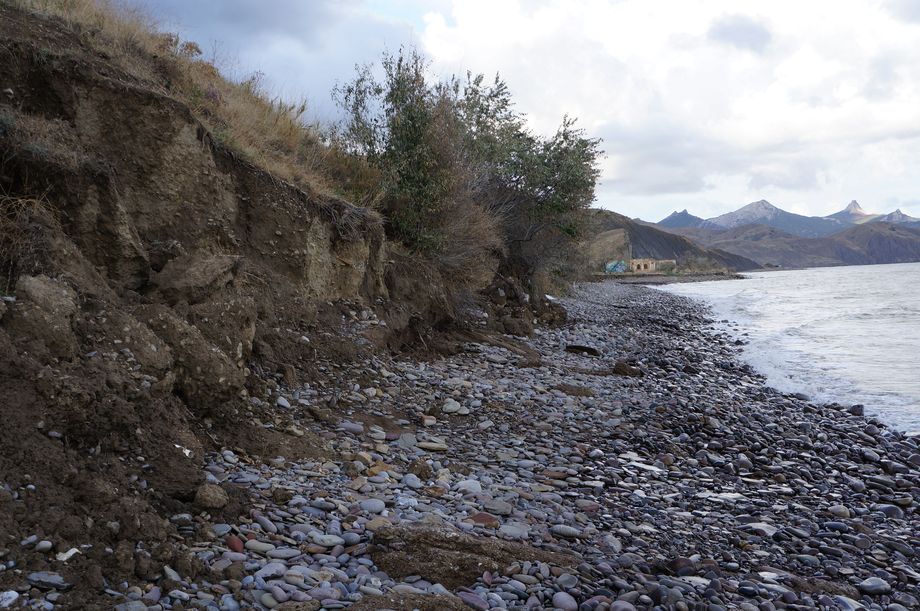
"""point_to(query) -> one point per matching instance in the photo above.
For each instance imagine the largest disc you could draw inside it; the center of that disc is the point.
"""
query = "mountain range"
(764, 213)
(612, 236)
(774, 237)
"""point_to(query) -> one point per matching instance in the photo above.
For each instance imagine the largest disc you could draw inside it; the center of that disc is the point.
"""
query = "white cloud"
(705, 105)
(740, 31)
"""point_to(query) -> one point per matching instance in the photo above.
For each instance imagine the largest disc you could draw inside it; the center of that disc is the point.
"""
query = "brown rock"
(421, 468)
(211, 496)
(234, 543)
(206, 375)
(42, 313)
(450, 557)
(193, 278)
(622, 368)
(310, 605)
(575, 391)
(484, 519)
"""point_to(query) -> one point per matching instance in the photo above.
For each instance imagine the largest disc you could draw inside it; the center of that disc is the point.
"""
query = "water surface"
(844, 334)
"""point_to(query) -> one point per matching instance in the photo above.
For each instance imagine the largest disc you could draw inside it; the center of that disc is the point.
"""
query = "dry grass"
(267, 131)
(471, 247)
(24, 223)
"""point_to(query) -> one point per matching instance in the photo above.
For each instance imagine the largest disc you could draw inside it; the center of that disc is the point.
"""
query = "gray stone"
(47, 580)
(373, 505)
(874, 586)
(564, 601)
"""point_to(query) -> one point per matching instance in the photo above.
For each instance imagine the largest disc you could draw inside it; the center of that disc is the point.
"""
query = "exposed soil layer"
(153, 281)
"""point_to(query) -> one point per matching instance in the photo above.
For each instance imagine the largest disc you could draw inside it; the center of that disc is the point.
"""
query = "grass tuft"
(241, 114)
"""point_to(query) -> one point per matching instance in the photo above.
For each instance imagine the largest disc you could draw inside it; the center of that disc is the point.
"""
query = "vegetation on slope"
(463, 179)
(451, 165)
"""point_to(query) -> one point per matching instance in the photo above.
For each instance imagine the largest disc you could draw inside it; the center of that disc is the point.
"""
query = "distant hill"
(771, 236)
(854, 214)
(610, 230)
(881, 242)
(770, 246)
(680, 219)
(764, 213)
(874, 242)
(897, 217)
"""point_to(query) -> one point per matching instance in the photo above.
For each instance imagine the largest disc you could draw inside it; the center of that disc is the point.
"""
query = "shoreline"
(651, 280)
(636, 464)
(788, 372)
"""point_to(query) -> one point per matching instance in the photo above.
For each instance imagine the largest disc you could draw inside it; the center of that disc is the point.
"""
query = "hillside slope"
(771, 247)
(648, 242)
(881, 242)
(680, 219)
(764, 213)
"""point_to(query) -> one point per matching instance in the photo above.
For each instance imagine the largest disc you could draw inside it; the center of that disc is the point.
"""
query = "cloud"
(740, 31)
(815, 108)
(908, 10)
(303, 48)
(800, 177)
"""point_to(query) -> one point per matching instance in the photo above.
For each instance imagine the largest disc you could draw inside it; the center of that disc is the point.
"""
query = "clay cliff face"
(149, 215)
(146, 269)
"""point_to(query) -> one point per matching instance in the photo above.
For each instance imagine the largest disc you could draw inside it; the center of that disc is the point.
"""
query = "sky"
(701, 104)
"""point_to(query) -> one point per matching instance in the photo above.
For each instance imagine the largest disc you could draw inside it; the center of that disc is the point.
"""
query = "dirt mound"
(451, 558)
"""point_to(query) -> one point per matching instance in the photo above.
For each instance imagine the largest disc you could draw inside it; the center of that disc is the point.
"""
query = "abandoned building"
(652, 265)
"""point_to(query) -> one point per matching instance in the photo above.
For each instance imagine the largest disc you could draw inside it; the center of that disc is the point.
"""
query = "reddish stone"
(234, 543)
(484, 519)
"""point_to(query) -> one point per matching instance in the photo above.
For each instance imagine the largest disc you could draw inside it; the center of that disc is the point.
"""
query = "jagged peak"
(762, 203)
(854, 207)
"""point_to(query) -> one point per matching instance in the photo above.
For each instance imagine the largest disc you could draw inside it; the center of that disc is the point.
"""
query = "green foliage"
(462, 140)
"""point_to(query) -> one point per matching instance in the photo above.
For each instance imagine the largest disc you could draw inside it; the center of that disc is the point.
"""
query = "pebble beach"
(624, 460)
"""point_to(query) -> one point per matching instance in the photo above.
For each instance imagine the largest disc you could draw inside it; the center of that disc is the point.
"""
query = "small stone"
(514, 531)
(211, 496)
(47, 580)
(469, 486)
(502, 508)
(839, 511)
(874, 586)
(372, 505)
(327, 540)
(8, 598)
(567, 581)
(473, 600)
(565, 531)
(564, 601)
(43, 546)
(234, 543)
(412, 481)
(260, 547)
(433, 446)
(65, 556)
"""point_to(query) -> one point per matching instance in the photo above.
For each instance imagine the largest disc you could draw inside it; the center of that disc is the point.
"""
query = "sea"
(849, 335)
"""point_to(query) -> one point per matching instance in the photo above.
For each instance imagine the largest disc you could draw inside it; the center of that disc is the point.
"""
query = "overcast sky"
(702, 104)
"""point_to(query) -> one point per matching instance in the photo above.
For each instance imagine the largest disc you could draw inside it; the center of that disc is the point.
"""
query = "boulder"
(42, 313)
(195, 277)
(211, 496)
(205, 375)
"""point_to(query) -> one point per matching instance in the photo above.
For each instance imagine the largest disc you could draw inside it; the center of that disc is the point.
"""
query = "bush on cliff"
(463, 177)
